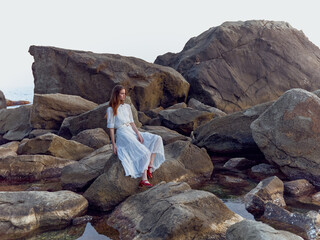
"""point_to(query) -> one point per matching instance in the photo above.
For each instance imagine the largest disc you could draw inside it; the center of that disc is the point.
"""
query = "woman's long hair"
(114, 100)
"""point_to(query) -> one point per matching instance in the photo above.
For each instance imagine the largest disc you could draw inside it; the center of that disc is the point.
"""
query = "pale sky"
(139, 28)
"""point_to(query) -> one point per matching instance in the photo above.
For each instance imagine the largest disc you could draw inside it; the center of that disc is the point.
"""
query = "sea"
(19, 93)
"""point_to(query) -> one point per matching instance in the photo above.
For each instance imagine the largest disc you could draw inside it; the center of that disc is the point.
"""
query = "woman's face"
(122, 94)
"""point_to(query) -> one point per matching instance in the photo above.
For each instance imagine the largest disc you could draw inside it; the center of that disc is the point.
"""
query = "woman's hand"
(114, 146)
(140, 138)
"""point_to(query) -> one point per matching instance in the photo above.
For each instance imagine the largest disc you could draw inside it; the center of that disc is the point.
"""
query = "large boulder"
(230, 134)
(79, 175)
(30, 168)
(9, 149)
(253, 230)
(184, 120)
(268, 190)
(173, 211)
(24, 212)
(15, 123)
(94, 138)
(3, 102)
(54, 145)
(288, 133)
(194, 103)
(184, 162)
(95, 118)
(241, 64)
(93, 76)
(297, 188)
(49, 110)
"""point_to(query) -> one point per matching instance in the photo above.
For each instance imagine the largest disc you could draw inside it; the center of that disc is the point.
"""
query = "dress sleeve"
(130, 114)
(110, 118)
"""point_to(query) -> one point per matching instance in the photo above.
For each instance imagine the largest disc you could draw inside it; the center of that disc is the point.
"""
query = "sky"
(138, 28)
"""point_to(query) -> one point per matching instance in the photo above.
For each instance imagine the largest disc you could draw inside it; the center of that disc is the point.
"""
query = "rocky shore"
(234, 105)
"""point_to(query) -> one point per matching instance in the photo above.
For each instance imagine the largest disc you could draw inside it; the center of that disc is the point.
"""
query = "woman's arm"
(137, 132)
(112, 140)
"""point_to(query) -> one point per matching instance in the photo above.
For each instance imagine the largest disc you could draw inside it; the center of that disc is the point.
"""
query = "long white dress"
(134, 156)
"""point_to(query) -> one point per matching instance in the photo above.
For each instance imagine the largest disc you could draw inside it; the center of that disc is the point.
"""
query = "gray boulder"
(241, 64)
(194, 103)
(3, 103)
(94, 138)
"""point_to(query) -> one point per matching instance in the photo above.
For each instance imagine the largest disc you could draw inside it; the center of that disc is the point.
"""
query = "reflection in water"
(91, 234)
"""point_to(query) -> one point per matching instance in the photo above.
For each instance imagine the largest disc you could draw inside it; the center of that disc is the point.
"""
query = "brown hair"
(114, 100)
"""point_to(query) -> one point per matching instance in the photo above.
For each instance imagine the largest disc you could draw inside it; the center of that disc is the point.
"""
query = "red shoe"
(145, 183)
(149, 173)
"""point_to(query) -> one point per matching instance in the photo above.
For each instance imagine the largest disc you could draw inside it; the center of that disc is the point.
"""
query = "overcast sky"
(139, 28)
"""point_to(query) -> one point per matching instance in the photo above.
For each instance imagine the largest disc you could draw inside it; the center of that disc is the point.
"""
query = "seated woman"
(139, 153)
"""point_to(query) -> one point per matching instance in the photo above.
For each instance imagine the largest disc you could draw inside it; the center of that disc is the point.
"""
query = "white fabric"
(134, 156)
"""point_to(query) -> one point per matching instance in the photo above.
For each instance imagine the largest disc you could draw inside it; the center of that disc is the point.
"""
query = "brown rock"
(9, 149)
(288, 134)
(2, 100)
(173, 211)
(153, 113)
(241, 64)
(238, 163)
(94, 138)
(298, 188)
(194, 103)
(262, 171)
(49, 110)
(178, 105)
(93, 76)
(143, 118)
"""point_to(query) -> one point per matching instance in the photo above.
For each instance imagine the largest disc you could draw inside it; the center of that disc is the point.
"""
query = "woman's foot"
(145, 183)
(149, 172)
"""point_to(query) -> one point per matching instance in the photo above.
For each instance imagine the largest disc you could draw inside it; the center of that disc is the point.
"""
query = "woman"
(139, 153)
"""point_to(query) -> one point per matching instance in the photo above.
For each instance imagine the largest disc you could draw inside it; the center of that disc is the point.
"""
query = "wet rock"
(241, 64)
(79, 175)
(232, 181)
(194, 103)
(184, 161)
(248, 229)
(238, 163)
(288, 134)
(262, 171)
(94, 138)
(24, 212)
(269, 190)
(49, 110)
(54, 145)
(93, 76)
(172, 211)
(298, 188)
(81, 220)
(184, 120)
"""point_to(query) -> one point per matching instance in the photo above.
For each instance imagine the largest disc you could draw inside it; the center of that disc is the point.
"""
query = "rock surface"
(9, 149)
(15, 123)
(195, 104)
(24, 212)
(93, 76)
(230, 134)
(288, 133)
(3, 102)
(184, 120)
(269, 190)
(298, 188)
(54, 145)
(94, 138)
(49, 110)
(184, 161)
(241, 64)
(253, 230)
(173, 211)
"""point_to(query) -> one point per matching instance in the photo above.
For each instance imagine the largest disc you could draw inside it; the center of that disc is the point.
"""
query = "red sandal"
(145, 183)
(149, 173)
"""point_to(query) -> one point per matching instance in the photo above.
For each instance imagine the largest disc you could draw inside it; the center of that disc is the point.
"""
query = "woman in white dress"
(139, 153)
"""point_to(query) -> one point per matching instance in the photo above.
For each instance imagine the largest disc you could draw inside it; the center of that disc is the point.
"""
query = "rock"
(262, 171)
(38, 132)
(143, 118)
(16, 103)
(184, 161)
(3, 103)
(172, 211)
(3, 140)
(153, 113)
(288, 134)
(168, 136)
(79, 175)
(241, 64)
(316, 197)
(195, 104)
(49, 110)
(317, 92)
(238, 163)
(94, 138)
(95, 118)
(24, 212)
(232, 181)
(31, 168)
(9, 149)
(178, 106)
(298, 188)
(155, 122)
(184, 120)
(231, 134)
(93, 76)
(54, 145)
(306, 225)
(15, 123)
(269, 190)
(81, 220)
(249, 229)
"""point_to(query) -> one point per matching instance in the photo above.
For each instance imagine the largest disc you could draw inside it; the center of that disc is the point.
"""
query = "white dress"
(134, 156)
